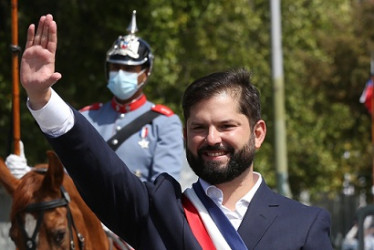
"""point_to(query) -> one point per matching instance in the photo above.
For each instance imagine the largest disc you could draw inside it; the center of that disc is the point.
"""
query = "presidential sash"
(220, 230)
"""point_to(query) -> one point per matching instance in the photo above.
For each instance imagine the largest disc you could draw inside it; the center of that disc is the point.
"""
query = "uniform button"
(122, 115)
(138, 173)
(114, 142)
(118, 128)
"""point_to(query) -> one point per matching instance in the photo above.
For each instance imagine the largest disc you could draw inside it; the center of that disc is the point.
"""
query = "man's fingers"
(30, 36)
(55, 77)
(44, 35)
(48, 24)
(39, 30)
(52, 37)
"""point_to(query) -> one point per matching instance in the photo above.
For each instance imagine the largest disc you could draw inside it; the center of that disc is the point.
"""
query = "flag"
(367, 94)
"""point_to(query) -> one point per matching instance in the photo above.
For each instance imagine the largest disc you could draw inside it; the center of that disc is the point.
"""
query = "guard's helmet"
(130, 49)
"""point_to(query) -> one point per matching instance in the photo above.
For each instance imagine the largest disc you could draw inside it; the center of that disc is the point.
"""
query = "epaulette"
(95, 106)
(163, 110)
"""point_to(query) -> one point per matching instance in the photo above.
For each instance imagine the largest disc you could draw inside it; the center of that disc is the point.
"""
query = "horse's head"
(40, 216)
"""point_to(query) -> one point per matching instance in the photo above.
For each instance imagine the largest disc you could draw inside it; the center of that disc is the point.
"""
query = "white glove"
(17, 164)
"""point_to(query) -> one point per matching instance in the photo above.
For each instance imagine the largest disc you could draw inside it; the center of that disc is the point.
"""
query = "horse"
(47, 211)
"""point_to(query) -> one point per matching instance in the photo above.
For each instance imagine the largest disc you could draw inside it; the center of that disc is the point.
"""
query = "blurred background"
(327, 48)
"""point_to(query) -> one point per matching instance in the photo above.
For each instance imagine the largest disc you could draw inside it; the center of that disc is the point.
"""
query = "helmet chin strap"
(142, 83)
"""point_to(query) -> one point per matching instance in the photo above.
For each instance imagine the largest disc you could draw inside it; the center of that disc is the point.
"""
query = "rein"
(40, 208)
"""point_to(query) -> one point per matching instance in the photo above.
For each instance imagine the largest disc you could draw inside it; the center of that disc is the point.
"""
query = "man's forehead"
(222, 106)
(221, 97)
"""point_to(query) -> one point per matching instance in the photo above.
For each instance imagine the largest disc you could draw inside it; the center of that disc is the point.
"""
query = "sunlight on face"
(219, 141)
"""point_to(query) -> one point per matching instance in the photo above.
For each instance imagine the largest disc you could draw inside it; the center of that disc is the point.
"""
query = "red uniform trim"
(163, 110)
(95, 106)
(127, 107)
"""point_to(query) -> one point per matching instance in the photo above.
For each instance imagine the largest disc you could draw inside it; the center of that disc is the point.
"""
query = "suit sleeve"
(319, 233)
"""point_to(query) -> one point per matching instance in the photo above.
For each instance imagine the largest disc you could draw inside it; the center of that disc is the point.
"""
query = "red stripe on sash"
(196, 224)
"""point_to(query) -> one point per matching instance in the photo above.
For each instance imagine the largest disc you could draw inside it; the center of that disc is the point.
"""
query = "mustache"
(215, 148)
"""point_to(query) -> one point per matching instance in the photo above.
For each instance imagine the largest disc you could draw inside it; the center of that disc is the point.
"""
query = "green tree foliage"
(326, 68)
(326, 63)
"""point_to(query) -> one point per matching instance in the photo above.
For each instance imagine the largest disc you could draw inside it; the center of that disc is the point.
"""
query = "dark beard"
(213, 173)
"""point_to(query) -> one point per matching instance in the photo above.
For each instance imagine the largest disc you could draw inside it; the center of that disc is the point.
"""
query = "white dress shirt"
(236, 216)
(55, 118)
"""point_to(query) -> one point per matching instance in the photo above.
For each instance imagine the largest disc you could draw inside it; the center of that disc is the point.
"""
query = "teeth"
(215, 154)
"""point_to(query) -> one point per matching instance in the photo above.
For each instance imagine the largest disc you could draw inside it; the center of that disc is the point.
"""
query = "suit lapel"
(261, 213)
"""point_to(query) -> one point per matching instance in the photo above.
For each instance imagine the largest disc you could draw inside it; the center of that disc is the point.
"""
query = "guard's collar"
(127, 107)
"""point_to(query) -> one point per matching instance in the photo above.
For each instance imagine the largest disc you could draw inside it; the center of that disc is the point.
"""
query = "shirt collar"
(216, 194)
(127, 107)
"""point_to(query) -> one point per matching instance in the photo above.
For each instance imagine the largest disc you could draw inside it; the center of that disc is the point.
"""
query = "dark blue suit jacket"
(151, 216)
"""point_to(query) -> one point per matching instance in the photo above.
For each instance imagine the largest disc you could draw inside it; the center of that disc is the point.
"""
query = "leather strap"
(116, 140)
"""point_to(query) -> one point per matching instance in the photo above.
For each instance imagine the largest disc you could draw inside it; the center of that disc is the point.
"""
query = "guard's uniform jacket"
(155, 148)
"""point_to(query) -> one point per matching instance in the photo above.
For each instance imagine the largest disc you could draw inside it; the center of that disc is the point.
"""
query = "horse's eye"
(59, 236)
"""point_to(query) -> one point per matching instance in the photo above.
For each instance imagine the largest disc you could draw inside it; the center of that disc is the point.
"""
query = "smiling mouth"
(215, 154)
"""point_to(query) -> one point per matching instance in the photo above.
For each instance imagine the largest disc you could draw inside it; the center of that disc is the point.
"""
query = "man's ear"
(259, 131)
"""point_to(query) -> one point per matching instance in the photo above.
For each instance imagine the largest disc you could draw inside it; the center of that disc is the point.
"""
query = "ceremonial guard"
(146, 136)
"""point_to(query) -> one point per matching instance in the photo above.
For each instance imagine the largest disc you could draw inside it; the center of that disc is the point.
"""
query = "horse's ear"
(7, 179)
(55, 173)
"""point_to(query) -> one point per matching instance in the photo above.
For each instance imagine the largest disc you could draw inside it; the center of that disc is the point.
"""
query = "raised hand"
(37, 72)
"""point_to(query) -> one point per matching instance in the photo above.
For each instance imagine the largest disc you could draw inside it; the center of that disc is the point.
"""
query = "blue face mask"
(124, 84)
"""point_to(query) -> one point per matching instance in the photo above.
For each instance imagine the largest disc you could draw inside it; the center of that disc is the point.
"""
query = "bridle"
(40, 208)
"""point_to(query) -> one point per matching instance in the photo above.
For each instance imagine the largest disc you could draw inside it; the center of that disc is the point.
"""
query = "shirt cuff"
(55, 118)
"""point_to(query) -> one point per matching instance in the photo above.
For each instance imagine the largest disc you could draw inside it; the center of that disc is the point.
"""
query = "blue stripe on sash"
(224, 225)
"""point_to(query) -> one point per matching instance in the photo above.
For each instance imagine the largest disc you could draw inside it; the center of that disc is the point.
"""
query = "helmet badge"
(128, 46)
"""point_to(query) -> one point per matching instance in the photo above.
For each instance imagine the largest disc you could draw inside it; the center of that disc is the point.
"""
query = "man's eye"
(227, 126)
(197, 127)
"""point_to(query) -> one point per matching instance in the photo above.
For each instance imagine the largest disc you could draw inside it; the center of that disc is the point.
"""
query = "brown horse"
(48, 212)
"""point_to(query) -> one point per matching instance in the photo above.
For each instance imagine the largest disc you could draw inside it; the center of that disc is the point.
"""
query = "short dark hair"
(236, 82)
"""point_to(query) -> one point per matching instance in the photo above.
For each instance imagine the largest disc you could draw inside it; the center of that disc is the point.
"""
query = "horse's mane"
(29, 185)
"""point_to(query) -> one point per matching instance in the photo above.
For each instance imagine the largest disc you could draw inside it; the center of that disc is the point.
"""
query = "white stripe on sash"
(213, 231)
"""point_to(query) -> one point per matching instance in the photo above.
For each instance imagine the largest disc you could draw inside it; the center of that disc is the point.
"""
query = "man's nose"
(213, 137)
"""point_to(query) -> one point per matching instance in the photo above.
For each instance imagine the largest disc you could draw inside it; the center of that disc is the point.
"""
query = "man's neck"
(234, 190)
